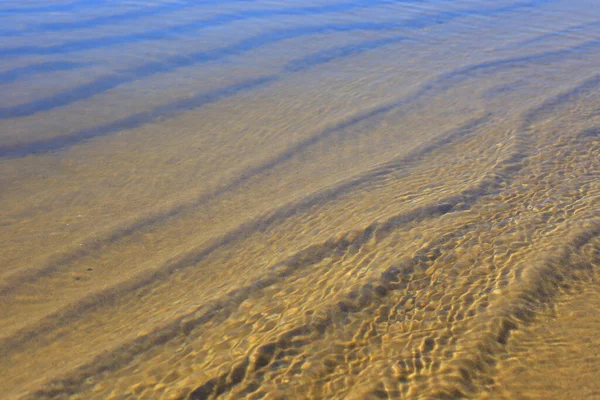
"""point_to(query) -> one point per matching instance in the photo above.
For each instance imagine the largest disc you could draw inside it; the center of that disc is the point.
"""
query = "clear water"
(284, 199)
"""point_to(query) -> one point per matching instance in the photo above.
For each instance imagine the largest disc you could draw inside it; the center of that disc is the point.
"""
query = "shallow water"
(317, 199)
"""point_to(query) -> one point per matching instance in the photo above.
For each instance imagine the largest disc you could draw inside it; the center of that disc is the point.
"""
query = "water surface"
(283, 199)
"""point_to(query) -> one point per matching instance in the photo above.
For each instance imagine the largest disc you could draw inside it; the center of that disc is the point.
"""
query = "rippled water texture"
(300, 199)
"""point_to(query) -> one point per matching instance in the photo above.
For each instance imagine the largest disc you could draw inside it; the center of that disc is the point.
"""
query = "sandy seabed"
(317, 200)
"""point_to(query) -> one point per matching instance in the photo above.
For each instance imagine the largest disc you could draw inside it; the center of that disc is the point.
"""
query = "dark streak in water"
(496, 65)
(302, 259)
(183, 29)
(76, 5)
(134, 121)
(146, 70)
(328, 55)
(441, 83)
(591, 132)
(561, 33)
(352, 302)
(391, 278)
(18, 73)
(435, 86)
(454, 203)
(313, 253)
(170, 110)
(100, 85)
(467, 198)
(105, 19)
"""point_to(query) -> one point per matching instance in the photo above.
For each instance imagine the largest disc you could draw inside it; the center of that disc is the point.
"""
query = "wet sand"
(318, 200)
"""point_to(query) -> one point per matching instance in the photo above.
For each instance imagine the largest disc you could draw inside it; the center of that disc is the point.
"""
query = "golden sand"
(312, 218)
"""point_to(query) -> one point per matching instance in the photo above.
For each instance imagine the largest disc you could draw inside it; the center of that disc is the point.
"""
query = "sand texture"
(300, 200)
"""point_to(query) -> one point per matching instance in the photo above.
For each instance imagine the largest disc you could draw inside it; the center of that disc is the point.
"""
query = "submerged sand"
(387, 210)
